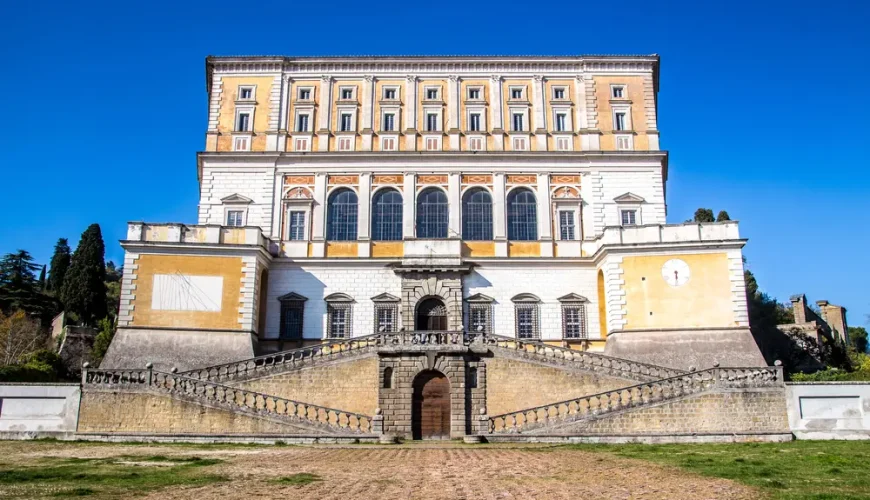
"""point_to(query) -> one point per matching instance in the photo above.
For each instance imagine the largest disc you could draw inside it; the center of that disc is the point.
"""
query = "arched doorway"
(431, 314)
(430, 413)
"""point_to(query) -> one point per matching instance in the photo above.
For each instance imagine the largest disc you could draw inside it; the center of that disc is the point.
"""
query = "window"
(388, 144)
(338, 325)
(563, 144)
(566, 224)
(522, 217)
(389, 94)
(477, 215)
(302, 123)
(473, 94)
(561, 122)
(346, 122)
(519, 144)
(432, 94)
(433, 144)
(516, 93)
(629, 217)
(345, 143)
(517, 122)
(475, 143)
(243, 122)
(385, 317)
(341, 213)
(388, 378)
(573, 321)
(235, 218)
(297, 225)
(480, 317)
(304, 94)
(346, 94)
(526, 316)
(474, 122)
(472, 378)
(558, 93)
(432, 214)
(292, 314)
(241, 143)
(387, 215)
(619, 120)
(618, 91)
(431, 122)
(246, 93)
(302, 144)
(624, 143)
(389, 122)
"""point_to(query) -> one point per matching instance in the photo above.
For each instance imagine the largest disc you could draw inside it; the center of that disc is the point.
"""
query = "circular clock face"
(676, 272)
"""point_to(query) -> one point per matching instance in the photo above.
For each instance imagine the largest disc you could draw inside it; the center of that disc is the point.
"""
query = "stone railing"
(629, 397)
(184, 233)
(632, 370)
(328, 420)
(424, 337)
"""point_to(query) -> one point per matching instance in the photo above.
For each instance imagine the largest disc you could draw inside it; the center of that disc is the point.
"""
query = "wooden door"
(430, 416)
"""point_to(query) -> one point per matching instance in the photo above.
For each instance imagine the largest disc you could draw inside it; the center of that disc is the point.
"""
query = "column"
(324, 110)
(363, 215)
(409, 200)
(411, 114)
(454, 100)
(539, 102)
(368, 103)
(495, 105)
(318, 216)
(499, 226)
(454, 200)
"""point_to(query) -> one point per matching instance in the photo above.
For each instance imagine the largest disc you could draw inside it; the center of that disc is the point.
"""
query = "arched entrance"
(431, 314)
(430, 411)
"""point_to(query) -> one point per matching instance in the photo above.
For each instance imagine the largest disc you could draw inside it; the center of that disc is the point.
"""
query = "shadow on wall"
(301, 282)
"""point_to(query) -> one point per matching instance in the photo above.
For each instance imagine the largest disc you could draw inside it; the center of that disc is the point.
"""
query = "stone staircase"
(309, 417)
(548, 419)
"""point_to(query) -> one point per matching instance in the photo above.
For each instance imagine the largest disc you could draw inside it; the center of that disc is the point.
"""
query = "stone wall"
(344, 385)
(39, 407)
(513, 385)
(829, 410)
(142, 412)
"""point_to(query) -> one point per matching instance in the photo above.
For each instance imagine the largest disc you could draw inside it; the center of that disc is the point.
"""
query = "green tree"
(704, 215)
(41, 281)
(84, 287)
(102, 340)
(59, 266)
(723, 216)
(858, 338)
(19, 288)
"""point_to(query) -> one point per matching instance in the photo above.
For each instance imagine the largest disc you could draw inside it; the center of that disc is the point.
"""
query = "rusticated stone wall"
(344, 385)
(513, 385)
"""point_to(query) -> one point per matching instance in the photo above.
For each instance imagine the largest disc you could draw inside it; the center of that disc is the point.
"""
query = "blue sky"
(762, 108)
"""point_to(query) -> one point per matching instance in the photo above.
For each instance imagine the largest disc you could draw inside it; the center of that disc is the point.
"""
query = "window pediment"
(572, 297)
(292, 296)
(236, 198)
(480, 298)
(629, 198)
(338, 297)
(526, 297)
(385, 297)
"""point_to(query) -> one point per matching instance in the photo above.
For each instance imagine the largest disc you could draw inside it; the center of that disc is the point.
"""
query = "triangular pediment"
(573, 297)
(629, 198)
(385, 297)
(292, 296)
(236, 198)
(479, 297)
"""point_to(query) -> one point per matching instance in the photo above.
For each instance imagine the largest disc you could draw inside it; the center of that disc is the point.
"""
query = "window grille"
(527, 321)
(574, 321)
(477, 215)
(566, 224)
(480, 317)
(432, 214)
(292, 314)
(386, 316)
(522, 216)
(297, 225)
(341, 210)
(339, 320)
(387, 216)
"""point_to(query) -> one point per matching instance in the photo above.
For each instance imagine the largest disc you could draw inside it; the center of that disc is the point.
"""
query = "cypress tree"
(59, 266)
(704, 215)
(723, 216)
(84, 287)
(42, 279)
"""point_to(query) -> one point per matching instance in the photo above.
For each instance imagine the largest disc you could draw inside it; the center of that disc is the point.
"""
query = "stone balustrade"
(202, 234)
(329, 419)
(633, 396)
(424, 338)
(670, 233)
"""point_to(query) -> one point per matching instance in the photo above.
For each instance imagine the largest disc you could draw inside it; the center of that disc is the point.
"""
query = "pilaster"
(538, 101)
(325, 111)
(365, 200)
(368, 103)
(318, 217)
(411, 114)
(499, 227)
(454, 198)
(409, 197)
(453, 111)
(495, 105)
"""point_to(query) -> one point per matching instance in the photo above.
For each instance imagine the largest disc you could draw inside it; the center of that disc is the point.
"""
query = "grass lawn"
(796, 470)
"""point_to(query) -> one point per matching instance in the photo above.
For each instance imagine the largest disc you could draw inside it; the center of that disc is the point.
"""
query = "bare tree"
(19, 335)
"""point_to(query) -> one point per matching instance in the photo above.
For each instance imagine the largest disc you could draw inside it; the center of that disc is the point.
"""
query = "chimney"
(799, 306)
(835, 317)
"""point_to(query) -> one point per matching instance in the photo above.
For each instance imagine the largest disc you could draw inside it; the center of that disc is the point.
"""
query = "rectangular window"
(241, 144)
(516, 93)
(517, 122)
(235, 218)
(388, 144)
(473, 94)
(574, 321)
(304, 94)
(519, 144)
(475, 143)
(385, 318)
(527, 321)
(389, 122)
(474, 122)
(302, 123)
(566, 224)
(619, 121)
(432, 94)
(345, 143)
(346, 122)
(624, 143)
(244, 122)
(297, 225)
(292, 313)
(431, 122)
(338, 321)
(563, 144)
(389, 94)
(618, 91)
(246, 93)
(629, 217)
(561, 122)
(479, 318)
(558, 93)
(302, 144)
(347, 94)
(433, 144)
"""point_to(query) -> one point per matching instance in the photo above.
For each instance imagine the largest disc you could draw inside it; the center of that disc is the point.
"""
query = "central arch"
(431, 315)
(430, 411)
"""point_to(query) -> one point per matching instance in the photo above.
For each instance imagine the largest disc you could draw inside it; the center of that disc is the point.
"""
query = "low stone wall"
(38, 408)
(829, 410)
(133, 348)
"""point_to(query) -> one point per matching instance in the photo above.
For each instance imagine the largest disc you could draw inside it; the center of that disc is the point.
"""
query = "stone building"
(426, 208)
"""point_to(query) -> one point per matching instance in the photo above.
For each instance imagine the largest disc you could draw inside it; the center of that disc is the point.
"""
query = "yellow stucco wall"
(478, 248)
(230, 268)
(704, 301)
(341, 249)
(524, 249)
(227, 117)
(388, 249)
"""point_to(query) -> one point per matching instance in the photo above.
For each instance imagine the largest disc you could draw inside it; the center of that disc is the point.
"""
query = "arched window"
(477, 215)
(432, 214)
(341, 215)
(522, 215)
(387, 215)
